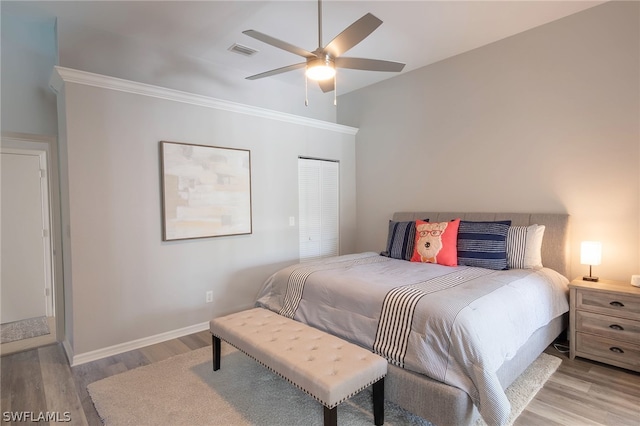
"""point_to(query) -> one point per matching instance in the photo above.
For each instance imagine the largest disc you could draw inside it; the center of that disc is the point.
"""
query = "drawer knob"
(617, 304)
(616, 350)
(616, 327)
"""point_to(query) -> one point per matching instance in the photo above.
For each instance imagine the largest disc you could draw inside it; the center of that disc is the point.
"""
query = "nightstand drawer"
(608, 326)
(608, 303)
(608, 350)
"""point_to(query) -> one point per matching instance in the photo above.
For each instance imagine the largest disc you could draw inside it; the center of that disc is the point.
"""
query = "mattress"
(457, 325)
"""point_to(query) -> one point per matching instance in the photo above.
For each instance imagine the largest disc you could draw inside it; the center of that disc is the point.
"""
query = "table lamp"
(590, 254)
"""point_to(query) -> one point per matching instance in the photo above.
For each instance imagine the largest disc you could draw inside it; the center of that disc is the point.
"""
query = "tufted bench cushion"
(324, 366)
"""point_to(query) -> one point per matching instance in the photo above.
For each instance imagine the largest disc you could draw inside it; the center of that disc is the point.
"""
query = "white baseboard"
(129, 346)
(68, 350)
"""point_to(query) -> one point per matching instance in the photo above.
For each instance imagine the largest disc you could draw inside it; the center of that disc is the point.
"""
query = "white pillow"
(524, 247)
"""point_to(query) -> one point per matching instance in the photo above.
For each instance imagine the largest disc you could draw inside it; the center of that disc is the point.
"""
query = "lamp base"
(590, 278)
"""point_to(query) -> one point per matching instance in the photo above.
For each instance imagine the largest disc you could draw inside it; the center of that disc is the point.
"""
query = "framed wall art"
(206, 191)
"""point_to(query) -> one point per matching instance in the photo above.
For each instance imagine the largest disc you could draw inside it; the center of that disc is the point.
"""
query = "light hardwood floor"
(581, 392)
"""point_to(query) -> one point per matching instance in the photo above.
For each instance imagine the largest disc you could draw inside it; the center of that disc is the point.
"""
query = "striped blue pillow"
(401, 239)
(483, 244)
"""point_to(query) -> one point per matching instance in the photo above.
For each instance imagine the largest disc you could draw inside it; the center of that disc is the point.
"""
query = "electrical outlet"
(292, 221)
(209, 297)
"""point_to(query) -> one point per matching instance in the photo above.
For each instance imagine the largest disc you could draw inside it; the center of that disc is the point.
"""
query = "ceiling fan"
(321, 64)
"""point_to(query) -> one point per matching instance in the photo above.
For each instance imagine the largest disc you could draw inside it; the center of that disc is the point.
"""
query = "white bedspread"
(466, 322)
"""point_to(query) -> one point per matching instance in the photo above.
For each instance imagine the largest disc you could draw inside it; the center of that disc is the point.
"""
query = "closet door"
(319, 210)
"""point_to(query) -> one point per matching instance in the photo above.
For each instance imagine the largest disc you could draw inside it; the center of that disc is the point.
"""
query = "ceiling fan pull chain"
(335, 90)
(306, 91)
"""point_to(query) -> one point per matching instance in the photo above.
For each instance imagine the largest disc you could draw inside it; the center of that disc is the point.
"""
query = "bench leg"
(215, 345)
(378, 402)
(331, 416)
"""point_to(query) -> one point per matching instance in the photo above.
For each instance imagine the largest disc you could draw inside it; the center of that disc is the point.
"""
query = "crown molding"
(62, 75)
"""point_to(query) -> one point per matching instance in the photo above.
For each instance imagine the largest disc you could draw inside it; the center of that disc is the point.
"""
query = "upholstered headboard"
(555, 244)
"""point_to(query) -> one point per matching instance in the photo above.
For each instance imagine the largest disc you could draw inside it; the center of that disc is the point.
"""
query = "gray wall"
(29, 53)
(544, 121)
(122, 282)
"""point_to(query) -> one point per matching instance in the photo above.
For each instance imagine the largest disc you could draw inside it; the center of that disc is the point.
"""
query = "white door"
(319, 210)
(25, 288)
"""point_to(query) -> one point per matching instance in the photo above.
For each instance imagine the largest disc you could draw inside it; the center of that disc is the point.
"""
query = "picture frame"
(206, 191)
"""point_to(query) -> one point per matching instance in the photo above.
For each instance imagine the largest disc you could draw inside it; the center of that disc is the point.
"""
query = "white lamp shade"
(321, 72)
(590, 252)
(321, 69)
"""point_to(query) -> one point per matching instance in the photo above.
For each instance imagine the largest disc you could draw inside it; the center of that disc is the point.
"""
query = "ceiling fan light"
(321, 72)
(321, 69)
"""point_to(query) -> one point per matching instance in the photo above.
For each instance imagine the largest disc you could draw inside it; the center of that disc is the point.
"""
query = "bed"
(455, 336)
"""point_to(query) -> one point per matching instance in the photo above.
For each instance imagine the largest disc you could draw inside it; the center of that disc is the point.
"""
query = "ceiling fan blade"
(327, 85)
(277, 71)
(279, 43)
(353, 35)
(369, 64)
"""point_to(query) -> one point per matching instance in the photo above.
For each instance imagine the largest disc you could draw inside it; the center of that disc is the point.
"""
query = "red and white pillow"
(436, 242)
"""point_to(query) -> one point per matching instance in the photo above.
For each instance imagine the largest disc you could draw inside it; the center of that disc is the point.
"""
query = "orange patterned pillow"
(436, 242)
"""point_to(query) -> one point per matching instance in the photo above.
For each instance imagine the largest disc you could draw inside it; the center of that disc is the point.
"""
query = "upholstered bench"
(324, 366)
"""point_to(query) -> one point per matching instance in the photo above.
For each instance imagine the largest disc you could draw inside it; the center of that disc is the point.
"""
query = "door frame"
(46, 148)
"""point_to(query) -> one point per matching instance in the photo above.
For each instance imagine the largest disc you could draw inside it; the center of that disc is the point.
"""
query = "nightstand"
(604, 322)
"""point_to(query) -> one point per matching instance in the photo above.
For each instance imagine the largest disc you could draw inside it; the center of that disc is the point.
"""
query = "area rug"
(184, 390)
(24, 329)
(525, 387)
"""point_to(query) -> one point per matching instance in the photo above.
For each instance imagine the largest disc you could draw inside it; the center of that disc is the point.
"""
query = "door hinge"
(45, 233)
(47, 292)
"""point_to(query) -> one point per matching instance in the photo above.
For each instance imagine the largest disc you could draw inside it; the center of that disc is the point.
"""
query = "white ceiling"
(417, 33)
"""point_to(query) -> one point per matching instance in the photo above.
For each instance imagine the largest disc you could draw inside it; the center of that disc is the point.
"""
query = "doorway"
(27, 307)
